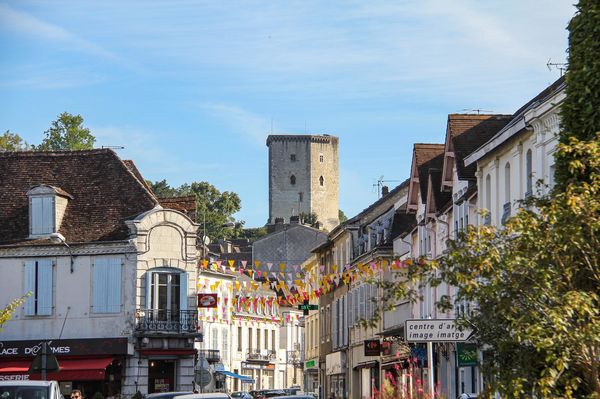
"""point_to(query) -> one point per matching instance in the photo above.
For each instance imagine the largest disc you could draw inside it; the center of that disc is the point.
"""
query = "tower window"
(293, 157)
(293, 180)
(300, 197)
(321, 158)
(321, 181)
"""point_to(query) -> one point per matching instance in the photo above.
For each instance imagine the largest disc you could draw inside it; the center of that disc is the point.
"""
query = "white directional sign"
(435, 330)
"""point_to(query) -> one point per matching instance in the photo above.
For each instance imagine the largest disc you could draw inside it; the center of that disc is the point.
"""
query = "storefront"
(335, 370)
(311, 375)
(262, 374)
(90, 365)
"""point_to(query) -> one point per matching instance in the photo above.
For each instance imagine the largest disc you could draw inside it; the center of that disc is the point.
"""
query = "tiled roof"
(105, 193)
(131, 165)
(469, 132)
(381, 205)
(186, 205)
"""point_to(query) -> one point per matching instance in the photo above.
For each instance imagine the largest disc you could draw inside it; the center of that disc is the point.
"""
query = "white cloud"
(252, 126)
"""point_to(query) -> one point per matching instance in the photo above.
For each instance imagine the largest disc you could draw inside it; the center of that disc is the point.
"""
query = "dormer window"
(47, 207)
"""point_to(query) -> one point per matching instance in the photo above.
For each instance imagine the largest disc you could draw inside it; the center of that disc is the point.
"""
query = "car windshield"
(23, 392)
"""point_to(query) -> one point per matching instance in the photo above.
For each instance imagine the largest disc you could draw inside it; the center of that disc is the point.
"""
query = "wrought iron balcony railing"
(211, 355)
(158, 320)
(261, 355)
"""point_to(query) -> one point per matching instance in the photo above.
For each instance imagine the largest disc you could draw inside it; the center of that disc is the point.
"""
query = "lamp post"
(58, 238)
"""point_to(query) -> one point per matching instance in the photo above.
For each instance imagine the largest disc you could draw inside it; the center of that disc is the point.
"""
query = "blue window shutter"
(113, 301)
(30, 287)
(149, 289)
(36, 215)
(44, 287)
(47, 215)
(99, 288)
(183, 291)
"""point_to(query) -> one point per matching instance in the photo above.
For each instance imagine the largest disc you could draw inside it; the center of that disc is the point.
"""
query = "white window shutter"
(113, 280)
(29, 306)
(36, 215)
(334, 324)
(149, 275)
(183, 291)
(44, 307)
(47, 215)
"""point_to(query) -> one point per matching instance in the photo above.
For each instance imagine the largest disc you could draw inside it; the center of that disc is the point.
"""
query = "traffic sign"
(435, 330)
(203, 377)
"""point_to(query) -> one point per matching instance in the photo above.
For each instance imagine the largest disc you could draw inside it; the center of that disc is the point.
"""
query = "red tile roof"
(186, 205)
(105, 193)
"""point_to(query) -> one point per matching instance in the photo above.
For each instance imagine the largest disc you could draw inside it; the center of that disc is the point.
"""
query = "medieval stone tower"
(303, 178)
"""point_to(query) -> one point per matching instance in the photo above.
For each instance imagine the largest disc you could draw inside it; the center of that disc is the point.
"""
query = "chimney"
(384, 190)
(294, 219)
(278, 220)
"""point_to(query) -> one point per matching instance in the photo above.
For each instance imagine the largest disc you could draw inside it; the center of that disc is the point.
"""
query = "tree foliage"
(10, 309)
(580, 115)
(67, 133)
(342, 216)
(213, 206)
(12, 142)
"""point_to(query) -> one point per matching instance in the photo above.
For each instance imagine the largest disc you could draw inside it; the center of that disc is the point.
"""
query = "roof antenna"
(478, 110)
(113, 147)
(561, 66)
(380, 185)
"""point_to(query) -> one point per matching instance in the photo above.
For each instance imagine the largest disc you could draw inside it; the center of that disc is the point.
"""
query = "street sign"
(435, 330)
(203, 377)
(37, 364)
(305, 307)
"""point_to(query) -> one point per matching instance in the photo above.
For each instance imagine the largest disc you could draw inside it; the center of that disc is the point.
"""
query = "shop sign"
(335, 363)
(386, 348)
(207, 300)
(372, 347)
(435, 330)
(310, 364)
(70, 347)
(14, 377)
(466, 354)
(256, 366)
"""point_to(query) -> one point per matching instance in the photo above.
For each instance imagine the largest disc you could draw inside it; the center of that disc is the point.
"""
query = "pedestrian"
(331, 396)
(76, 394)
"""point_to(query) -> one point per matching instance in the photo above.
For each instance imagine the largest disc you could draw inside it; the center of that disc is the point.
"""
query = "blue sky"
(191, 89)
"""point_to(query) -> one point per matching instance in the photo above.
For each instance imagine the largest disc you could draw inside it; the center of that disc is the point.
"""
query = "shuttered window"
(38, 281)
(42, 215)
(106, 285)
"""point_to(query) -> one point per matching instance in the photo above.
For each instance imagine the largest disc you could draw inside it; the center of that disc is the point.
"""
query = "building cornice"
(24, 251)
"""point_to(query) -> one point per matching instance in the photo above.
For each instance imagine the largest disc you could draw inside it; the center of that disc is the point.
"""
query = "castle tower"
(303, 178)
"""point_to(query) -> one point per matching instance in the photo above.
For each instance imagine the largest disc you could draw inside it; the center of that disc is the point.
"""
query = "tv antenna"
(380, 184)
(114, 147)
(478, 110)
(561, 66)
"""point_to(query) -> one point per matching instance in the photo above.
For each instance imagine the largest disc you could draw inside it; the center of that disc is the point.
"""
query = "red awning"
(70, 369)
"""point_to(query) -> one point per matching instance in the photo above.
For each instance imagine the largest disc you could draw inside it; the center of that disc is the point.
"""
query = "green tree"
(580, 115)
(12, 142)
(342, 216)
(253, 233)
(9, 310)
(218, 207)
(67, 133)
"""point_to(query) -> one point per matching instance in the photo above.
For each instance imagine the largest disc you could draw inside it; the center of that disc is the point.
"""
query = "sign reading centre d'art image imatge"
(435, 330)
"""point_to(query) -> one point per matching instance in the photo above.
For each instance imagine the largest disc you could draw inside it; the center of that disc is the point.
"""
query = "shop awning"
(70, 369)
(242, 378)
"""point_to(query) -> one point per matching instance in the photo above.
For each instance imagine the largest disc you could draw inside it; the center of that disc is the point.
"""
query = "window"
(293, 157)
(300, 197)
(507, 183)
(225, 341)
(273, 340)
(321, 181)
(488, 200)
(321, 158)
(250, 339)
(292, 180)
(266, 339)
(106, 285)
(529, 171)
(239, 339)
(258, 338)
(42, 215)
(38, 281)
(214, 338)
(166, 293)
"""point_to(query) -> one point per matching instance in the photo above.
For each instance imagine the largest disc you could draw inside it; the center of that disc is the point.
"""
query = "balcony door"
(166, 294)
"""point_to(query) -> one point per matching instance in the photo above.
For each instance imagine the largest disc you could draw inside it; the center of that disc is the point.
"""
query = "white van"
(30, 390)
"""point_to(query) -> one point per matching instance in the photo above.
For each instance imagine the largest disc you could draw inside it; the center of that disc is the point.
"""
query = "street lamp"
(58, 238)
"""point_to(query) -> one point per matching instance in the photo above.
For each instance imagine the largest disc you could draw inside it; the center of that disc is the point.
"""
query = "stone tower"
(303, 178)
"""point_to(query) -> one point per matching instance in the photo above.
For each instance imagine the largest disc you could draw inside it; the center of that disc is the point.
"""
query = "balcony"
(166, 321)
(261, 355)
(211, 355)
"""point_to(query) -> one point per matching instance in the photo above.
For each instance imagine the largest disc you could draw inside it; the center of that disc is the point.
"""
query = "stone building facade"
(303, 178)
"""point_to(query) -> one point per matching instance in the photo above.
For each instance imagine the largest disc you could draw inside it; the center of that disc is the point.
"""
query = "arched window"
(507, 183)
(321, 181)
(488, 200)
(292, 180)
(528, 171)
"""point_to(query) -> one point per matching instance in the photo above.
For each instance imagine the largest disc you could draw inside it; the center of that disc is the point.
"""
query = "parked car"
(167, 395)
(241, 395)
(294, 397)
(30, 390)
(268, 393)
(468, 396)
(213, 395)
